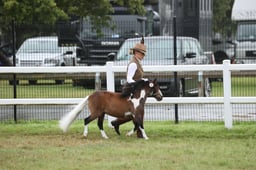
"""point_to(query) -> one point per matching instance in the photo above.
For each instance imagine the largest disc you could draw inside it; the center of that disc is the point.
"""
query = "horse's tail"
(66, 120)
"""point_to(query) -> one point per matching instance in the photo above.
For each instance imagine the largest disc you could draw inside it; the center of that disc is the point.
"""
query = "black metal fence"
(78, 86)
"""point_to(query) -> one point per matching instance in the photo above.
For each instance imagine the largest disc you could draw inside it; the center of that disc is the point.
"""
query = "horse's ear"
(154, 81)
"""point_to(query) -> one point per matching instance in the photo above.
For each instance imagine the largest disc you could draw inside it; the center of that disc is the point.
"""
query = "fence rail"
(226, 68)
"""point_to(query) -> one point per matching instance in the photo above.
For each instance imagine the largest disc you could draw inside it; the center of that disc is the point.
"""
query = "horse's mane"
(132, 88)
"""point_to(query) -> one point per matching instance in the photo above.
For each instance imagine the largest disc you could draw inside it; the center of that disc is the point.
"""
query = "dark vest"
(139, 72)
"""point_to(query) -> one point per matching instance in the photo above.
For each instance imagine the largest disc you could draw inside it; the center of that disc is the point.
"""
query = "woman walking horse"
(120, 105)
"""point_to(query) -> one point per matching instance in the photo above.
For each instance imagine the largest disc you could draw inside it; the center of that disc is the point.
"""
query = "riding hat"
(139, 47)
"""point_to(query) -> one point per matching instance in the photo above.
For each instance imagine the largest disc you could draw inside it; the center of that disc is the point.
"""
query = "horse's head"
(134, 90)
(154, 90)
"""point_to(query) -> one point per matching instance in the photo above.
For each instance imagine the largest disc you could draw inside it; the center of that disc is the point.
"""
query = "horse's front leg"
(136, 128)
(144, 135)
(100, 125)
(138, 124)
(139, 117)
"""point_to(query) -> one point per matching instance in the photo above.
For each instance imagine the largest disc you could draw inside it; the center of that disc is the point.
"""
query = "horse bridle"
(155, 94)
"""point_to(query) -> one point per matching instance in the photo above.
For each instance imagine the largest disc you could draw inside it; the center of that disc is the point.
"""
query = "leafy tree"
(99, 10)
(222, 16)
(28, 11)
(49, 11)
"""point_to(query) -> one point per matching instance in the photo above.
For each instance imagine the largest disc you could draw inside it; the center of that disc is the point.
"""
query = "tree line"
(47, 12)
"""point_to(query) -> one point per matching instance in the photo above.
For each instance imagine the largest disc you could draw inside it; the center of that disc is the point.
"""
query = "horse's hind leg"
(116, 123)
(100, 125)
(134, 129)
(86, 122)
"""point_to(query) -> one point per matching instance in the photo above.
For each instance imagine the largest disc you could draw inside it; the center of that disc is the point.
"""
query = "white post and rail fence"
(110, 69)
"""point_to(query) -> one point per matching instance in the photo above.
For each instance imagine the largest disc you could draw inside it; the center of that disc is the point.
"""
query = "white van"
(44, 52)
(244, 14)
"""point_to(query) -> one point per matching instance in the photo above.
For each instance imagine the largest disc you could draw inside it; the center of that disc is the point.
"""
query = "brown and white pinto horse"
(128, 103)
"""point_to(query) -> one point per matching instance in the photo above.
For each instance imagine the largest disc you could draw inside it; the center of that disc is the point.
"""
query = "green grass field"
(241, 86)
(187, 145)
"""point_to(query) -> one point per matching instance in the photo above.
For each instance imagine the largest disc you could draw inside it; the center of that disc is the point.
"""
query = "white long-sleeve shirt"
(130, 72)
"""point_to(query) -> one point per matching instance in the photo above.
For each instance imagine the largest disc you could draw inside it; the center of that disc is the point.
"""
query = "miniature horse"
(129, 102)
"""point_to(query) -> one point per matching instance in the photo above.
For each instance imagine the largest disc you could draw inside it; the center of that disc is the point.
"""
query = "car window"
(88, 31)
(246, 31)
(40, 46)
(157, 49)
(191, 46)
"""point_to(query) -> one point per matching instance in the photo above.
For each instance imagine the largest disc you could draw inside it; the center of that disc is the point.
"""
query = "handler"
(134, 73)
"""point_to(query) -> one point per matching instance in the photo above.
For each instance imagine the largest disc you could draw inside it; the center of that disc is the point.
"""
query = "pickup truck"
(160, 52)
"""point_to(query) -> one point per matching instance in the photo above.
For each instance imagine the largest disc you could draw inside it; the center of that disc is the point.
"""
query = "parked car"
(44, 52)
(160, 52)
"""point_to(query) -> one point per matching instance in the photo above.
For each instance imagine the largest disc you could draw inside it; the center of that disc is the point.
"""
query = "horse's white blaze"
(85, 130)
(130, 133)
(143, 133)
(103, 134)
(136, 102)
(159, 91)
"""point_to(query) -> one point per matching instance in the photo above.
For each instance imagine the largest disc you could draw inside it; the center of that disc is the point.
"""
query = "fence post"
(14, 64)
(97, 81)
(110, 85)
(200, 84)
(176, 108)
(227, 94)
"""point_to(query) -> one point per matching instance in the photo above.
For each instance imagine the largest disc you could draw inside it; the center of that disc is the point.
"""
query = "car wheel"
(207, 87)
(181, 88)
(32, 82)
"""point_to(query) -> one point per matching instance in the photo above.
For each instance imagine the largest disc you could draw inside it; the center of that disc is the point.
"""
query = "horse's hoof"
(129, 133)
(146, 138)
(103, 134)
(85, 135)
(139, 134)
(117, 131)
